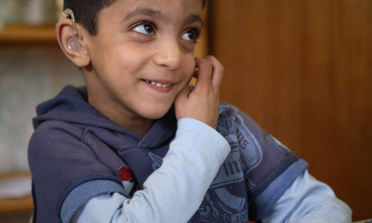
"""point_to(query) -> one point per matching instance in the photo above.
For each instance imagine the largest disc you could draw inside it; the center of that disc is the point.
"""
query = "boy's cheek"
(190, 65)
(190, 71)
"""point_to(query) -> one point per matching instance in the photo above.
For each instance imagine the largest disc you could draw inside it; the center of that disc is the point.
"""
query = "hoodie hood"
(71, 106)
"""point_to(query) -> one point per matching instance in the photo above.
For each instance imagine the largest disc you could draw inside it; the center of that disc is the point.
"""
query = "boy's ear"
(64, 32)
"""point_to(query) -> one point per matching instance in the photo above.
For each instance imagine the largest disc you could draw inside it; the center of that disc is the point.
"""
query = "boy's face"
(143, 54)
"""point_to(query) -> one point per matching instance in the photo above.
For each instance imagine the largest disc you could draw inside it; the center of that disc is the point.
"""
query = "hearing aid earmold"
(75, 43)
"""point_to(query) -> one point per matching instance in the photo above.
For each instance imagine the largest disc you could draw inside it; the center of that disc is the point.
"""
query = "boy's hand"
(202, 103)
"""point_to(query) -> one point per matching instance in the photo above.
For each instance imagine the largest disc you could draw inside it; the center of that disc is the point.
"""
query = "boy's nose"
(169, 56)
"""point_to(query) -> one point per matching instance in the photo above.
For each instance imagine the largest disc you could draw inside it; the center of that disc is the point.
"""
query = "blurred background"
(32, 69)
(302, 69)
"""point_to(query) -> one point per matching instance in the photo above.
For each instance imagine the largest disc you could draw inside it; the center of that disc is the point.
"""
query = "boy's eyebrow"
(144, 11)
(194, 18)
(158, 15)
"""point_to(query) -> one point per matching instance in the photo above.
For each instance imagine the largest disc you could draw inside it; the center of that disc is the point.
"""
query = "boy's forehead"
(178, 7)
(160, 2)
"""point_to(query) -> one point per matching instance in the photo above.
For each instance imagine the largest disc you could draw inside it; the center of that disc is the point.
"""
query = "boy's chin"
(154, 114)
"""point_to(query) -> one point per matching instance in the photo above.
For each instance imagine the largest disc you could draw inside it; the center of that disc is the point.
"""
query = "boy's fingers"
(204, 72)
(218, 72)
(181, 101)
(183, 94)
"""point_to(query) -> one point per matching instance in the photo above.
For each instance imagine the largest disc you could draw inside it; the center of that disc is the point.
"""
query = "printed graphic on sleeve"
(241, 140)
(223, 205)
(226, 199)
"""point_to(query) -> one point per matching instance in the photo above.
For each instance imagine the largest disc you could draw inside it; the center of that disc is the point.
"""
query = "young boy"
(137, 145)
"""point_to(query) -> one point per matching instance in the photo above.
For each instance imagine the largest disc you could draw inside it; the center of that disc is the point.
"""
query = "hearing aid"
(75, 43)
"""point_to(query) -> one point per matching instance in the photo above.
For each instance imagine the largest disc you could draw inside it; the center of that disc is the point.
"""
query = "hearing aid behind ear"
(75, 43)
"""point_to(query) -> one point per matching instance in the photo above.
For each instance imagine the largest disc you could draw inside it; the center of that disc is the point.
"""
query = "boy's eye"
(191, 35)
(144, 28)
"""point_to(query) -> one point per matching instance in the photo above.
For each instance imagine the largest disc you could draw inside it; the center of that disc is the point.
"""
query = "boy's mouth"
(158, 84)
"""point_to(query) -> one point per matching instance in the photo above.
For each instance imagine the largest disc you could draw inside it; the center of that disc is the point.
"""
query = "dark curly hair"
(86, 11)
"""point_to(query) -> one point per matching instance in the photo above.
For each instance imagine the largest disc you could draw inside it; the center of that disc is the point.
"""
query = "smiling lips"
(157, 84)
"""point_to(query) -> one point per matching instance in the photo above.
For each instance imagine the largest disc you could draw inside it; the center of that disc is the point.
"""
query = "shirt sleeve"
(173, 192)
(61, 158)
(308, 200)
(277, 182)
(269, 167)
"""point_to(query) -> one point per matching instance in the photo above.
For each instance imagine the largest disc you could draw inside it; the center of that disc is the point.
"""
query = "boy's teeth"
(158, 84)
